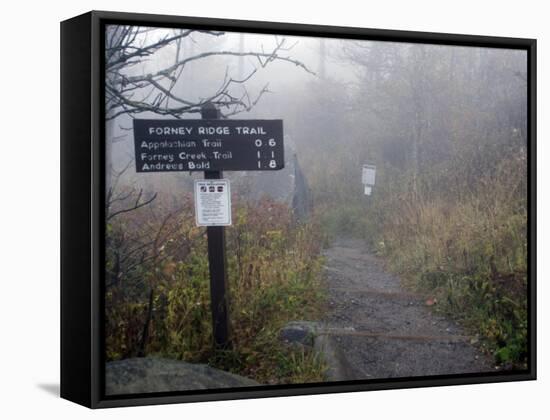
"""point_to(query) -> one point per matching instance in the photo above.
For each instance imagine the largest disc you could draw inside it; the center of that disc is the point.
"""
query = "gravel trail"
(382, 330)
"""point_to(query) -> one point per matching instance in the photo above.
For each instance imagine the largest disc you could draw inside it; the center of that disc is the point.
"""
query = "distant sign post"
(211, 145)
(368, 178)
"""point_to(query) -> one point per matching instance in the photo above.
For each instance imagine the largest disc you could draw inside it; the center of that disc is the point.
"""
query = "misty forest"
(425, 273)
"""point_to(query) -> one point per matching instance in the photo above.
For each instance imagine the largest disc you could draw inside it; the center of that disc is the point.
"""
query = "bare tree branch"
(131, 94)
(137, 204)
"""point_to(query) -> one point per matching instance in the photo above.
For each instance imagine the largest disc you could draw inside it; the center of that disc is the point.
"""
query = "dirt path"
(382, 330)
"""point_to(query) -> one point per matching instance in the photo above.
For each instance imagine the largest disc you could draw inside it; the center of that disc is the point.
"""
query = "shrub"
(274, 276)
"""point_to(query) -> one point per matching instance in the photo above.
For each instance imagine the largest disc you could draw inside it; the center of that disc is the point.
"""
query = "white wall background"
(29, 210)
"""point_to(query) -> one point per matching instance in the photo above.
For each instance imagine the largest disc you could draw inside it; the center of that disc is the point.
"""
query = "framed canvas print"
(255, 209)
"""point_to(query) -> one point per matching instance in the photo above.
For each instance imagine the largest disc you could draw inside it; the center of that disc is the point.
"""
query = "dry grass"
(274, 277)
(470, 251)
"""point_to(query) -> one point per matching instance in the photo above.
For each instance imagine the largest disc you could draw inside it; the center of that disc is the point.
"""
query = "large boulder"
(148, 374)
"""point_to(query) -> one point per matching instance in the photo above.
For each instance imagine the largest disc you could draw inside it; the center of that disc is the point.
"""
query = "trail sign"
(211, 145)
(368, 175)
(208, 145)
(212, 202)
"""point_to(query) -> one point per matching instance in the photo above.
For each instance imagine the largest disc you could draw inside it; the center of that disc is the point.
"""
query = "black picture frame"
(83, 196)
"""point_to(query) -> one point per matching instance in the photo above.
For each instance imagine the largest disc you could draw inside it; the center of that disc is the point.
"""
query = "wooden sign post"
(217, 262)
(368, 177)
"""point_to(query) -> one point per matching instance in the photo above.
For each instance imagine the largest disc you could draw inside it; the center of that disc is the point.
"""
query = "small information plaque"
(212, 202)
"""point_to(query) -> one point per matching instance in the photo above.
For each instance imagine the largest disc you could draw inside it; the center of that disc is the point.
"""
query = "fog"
(404, 107)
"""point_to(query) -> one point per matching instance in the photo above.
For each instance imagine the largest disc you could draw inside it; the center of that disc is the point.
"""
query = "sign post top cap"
(210, 111)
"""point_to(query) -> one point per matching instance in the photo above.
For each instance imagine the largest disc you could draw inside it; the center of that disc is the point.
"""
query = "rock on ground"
(148, 374)
(309, 335)
(298, 333)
